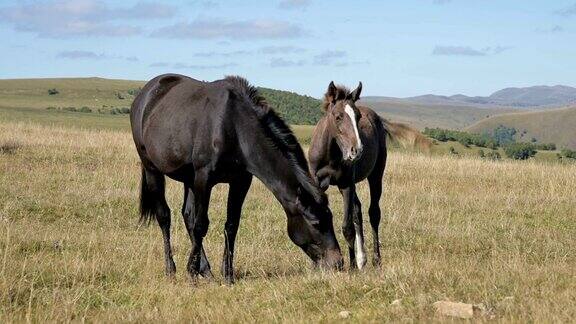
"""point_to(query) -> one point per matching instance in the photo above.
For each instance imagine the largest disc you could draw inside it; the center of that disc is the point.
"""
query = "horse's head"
(310, 227)
(343, 118)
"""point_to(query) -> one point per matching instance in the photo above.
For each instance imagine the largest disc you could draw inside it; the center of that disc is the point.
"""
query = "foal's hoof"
(171, 271)
(361, 263)
(229, 281)
(376, 262)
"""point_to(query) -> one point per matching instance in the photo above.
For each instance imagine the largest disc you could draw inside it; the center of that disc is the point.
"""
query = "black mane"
(341, 93)
(280, 134)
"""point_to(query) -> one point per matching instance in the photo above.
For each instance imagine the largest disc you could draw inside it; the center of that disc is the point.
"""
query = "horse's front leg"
(352, 227)
(236, 195)
(359, 238)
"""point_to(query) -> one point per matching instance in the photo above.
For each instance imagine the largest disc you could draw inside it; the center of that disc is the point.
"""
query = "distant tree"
(520, 151)
(134, 92)
(504, 135)
(546, 147)
(53, 91)
(292, 107)
(568, 153)
(85, 110)
(463, 138)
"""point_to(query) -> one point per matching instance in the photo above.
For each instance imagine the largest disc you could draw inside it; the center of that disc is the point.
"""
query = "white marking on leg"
(360, 251)
(352, 115)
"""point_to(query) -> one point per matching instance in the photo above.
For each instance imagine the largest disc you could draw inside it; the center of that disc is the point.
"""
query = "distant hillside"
(551, 126)
(529, 97)
(72, 92)
(422, 115)
(295, 108)
(103, 95)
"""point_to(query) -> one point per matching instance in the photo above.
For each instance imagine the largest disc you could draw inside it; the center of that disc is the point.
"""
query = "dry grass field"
(460, 229)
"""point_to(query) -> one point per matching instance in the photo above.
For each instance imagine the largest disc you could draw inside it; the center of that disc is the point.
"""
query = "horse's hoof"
(376, 262)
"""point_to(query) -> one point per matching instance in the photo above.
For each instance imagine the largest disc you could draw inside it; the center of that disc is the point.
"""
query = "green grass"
(65, 118)
(103, 94)
(96, 93)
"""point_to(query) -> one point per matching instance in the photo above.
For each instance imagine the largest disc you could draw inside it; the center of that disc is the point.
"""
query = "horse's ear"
(330, 95)
(355, 95)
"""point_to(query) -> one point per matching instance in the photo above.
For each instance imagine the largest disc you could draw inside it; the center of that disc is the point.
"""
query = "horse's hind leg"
(195, 213)
(153, 202)
(236, 195)
(375, 182)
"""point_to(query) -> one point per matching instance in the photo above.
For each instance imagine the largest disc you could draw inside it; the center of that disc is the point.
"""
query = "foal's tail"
(152, 199)
(406, 135)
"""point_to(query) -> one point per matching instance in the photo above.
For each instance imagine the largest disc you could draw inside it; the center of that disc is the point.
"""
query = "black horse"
(204, 133)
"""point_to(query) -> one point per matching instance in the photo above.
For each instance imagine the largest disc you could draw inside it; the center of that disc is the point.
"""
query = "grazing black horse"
(204, 133)
(349, 145)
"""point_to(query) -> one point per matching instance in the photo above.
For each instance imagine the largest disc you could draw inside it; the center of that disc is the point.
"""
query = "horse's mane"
(341, 93)
(280, 135)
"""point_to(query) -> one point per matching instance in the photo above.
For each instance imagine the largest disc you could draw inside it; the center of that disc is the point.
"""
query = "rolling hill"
(550, 126)
(420, 115)
(72, 92)
(536, 97)
(104, 95)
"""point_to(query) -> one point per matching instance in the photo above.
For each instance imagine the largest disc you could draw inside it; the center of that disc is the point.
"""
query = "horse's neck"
(324, 143)
(270, 166)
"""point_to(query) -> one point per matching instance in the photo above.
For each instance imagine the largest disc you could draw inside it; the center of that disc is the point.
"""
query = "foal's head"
(343, 118)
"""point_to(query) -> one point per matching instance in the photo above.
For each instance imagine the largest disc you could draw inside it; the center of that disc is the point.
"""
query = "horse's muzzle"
(353, 154)
(333, 260)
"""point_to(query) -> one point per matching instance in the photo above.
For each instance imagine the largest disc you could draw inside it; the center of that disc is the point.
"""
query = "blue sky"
(396, 48)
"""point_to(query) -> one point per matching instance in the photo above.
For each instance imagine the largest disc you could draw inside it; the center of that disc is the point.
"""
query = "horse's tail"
(152, 200)
(406, 135)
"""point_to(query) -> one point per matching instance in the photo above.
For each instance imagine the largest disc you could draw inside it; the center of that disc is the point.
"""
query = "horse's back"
(173, 115)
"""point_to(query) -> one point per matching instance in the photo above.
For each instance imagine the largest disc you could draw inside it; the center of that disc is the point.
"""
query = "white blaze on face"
(352, 115)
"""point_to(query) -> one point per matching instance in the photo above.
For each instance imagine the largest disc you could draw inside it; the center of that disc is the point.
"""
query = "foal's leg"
(375, 182)
(348, 223)
(359, 240)
(352, 227)
(188, 213)
(236, 195)
(153, 187)
(198, 198)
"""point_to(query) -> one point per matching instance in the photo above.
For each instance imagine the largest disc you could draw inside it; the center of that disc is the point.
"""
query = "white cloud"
(208, 28)
(76, 18)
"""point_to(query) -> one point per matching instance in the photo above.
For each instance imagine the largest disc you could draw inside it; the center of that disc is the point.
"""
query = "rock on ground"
(460, 310)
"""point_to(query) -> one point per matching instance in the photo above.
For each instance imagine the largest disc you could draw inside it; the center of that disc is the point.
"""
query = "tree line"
(293, 108)
(501, 137)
